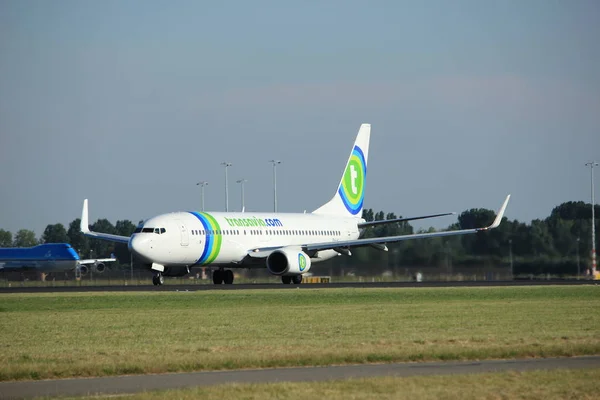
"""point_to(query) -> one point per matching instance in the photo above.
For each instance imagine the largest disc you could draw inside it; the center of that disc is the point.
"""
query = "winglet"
(499, 215)
(84, 226)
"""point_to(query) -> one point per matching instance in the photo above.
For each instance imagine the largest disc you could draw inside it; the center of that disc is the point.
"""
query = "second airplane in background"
(286, 244)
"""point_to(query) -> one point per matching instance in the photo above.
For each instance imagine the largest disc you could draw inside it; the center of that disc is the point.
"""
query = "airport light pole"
(578, 269)
(227, 165)
(202, 184)
(275, 163)
(593, 164)
(241, 182)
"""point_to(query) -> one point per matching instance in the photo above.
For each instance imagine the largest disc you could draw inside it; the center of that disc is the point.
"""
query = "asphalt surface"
(141, 383)
(16, 288)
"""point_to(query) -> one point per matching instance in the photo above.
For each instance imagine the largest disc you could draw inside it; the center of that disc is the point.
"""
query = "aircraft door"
(185, 240)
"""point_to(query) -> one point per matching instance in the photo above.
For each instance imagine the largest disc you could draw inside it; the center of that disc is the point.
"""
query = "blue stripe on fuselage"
(208, 237)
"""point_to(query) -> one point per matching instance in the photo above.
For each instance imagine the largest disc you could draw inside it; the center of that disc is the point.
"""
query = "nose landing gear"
(158, 279)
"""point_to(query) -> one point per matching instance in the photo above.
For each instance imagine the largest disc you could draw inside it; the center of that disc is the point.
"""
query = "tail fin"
(348, 199)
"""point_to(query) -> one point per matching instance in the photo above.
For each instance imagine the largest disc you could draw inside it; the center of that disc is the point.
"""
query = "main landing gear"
(222, 276)
(296, 279)
(158, 279)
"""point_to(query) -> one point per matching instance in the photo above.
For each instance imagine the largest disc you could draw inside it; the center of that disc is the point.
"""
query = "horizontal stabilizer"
(397, 220)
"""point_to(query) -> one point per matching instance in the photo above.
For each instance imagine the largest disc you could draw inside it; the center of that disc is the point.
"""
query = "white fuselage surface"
(199, 238)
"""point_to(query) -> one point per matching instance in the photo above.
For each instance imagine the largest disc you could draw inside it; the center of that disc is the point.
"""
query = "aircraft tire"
(228, 278)
(217, 277)
(297, 279)
(286, 280)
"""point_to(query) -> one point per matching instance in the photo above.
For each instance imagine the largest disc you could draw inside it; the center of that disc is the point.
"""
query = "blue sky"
(130, 103)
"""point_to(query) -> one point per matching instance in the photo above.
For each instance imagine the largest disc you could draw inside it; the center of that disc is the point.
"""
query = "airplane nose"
(141, 246)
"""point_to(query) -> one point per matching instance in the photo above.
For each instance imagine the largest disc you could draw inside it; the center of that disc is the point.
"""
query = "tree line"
(550, 245)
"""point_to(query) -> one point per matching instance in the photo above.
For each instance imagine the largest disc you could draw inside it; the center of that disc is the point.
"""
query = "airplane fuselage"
(216, 238)
(52, 257)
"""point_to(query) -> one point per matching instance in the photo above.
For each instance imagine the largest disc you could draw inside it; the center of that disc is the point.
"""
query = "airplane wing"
(379, 242)
(85, 228)
(391, 221)
(97, 260)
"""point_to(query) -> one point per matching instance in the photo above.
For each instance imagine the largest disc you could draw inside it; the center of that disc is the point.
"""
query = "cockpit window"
(162, 230)
(148, 230)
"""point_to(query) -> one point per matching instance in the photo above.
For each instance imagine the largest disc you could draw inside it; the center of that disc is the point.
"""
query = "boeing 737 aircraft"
(287, 244)
(48, 258)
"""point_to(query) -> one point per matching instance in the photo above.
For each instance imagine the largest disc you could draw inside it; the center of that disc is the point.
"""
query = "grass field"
(546, 385)
(94, 334)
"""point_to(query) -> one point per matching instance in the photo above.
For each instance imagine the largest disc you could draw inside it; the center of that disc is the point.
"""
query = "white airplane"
(287, 244)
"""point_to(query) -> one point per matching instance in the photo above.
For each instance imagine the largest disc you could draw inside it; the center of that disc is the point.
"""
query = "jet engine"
(83, 269)
(99, 268)
(288, 262)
